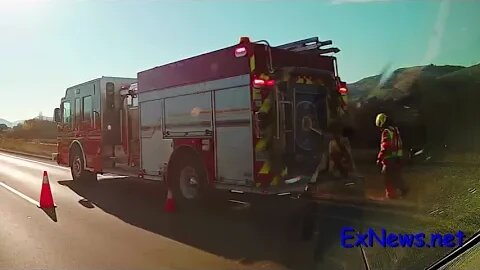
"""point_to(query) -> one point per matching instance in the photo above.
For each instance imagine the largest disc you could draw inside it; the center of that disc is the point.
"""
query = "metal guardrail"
(26, 154)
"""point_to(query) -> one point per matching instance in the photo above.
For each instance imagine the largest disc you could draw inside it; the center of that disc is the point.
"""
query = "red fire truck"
(248, 118)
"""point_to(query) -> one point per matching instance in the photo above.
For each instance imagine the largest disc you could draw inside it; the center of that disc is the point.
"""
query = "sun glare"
(22, 11)
(16, 5)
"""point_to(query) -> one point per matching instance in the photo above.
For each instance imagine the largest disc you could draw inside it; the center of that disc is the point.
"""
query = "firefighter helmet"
(380, 119)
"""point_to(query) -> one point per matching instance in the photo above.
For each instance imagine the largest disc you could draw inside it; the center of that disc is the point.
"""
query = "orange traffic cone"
(46, 198)
(170, 203)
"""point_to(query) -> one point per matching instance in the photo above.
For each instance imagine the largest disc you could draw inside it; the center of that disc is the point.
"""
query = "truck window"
(132, 101)
(110, 101)
(77, 112)
(87, 109)
(67, 113)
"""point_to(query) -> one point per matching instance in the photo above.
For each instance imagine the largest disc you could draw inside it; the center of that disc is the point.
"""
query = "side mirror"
(57, 115)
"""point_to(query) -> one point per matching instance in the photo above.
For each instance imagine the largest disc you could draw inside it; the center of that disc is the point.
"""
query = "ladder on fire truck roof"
(310, 45)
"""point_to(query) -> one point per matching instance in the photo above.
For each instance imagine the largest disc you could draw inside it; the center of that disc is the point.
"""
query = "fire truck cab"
(250, 118)
(98, 127)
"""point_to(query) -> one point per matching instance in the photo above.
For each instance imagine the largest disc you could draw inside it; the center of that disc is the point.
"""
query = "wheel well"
(181, 154)
(75, 146)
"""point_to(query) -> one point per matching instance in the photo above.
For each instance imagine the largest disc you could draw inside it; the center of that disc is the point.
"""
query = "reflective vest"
(390, 144)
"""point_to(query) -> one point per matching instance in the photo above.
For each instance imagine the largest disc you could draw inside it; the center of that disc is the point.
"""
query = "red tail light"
(342, 88)
(270, 83)
(259, 83)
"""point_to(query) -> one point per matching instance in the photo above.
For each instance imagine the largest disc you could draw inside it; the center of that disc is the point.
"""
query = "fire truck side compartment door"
(234, 148)
(155, 150)
(189, 115)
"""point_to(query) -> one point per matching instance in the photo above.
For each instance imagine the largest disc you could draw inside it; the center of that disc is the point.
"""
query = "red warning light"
(270, 83)
(342, 88)
(240, 52)
(258, 83)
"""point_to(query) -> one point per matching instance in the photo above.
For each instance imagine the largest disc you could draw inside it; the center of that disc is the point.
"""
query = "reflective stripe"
(265, 168)
(267, 104)
(304, 80)
(275, 181)
(252, 63)
(257, 94)
(261, 145)
(395, 143)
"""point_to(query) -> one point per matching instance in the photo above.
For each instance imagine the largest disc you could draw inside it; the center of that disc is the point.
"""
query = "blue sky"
(47, 46)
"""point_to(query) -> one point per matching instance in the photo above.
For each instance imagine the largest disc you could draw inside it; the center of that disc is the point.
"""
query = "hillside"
(434, 105)
(6, 122)
(14, 123)
(470, 74)
(362, 88)
(11, 124)
(399, 84)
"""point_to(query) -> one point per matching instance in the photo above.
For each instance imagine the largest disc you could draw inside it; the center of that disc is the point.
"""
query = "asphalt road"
(119, 223)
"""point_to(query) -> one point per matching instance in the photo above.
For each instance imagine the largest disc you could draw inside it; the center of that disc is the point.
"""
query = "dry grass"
(462, 158)
(449, 194)
(449, 199)
(28, 146)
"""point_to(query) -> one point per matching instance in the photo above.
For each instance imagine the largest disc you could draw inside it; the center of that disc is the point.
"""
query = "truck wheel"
(189, 185)
(77, 168)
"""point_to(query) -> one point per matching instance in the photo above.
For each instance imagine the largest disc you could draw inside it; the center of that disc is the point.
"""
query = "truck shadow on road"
(251, 235)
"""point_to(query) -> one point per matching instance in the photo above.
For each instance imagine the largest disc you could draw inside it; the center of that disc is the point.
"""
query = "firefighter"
(390, 156)
(341, 160)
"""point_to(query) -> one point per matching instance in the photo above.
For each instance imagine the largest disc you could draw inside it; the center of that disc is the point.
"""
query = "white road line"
(100, 177)
(35, 161)
(239, 202)
(21, 195)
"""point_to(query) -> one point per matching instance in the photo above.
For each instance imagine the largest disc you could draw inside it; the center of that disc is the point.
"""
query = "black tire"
(77, 168)
(198, 191)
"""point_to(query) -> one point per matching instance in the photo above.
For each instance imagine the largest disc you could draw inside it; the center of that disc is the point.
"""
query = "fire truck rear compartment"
(304, 147)
(304, 106)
